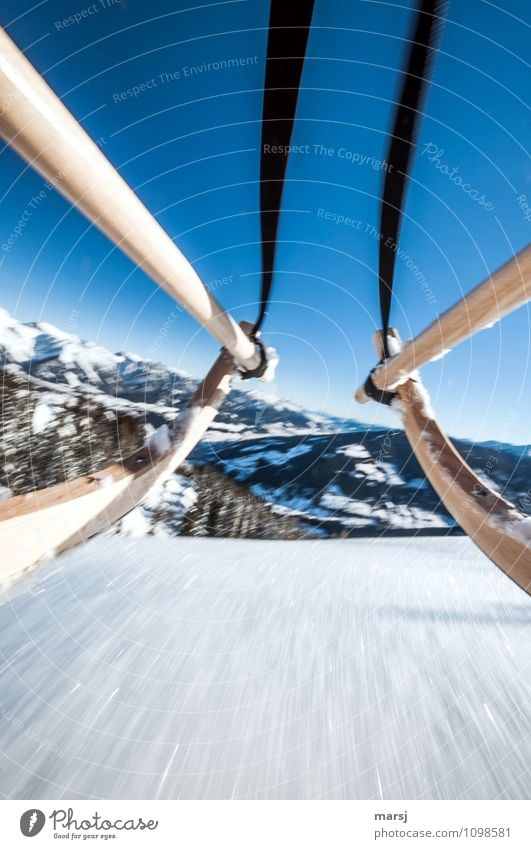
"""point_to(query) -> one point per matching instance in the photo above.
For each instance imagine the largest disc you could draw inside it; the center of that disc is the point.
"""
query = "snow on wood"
(272, 363)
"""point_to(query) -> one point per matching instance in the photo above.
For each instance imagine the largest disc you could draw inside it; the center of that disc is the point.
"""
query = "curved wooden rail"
(48, 521)
(501, 293)
(497, 527)
(36, 124)
(494, 524)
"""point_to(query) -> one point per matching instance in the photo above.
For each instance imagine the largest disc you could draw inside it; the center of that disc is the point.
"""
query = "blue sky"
(189, 145)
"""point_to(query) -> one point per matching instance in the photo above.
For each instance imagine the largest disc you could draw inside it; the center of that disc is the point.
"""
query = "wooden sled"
(34, 122)
(51, 520)
(496, 526)
(501, 293)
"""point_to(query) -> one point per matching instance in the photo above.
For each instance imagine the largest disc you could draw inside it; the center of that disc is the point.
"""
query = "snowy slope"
(163, 668)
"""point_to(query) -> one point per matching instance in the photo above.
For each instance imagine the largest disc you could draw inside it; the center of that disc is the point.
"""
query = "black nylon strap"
(379, 395)
(401, 146)
(289, 28)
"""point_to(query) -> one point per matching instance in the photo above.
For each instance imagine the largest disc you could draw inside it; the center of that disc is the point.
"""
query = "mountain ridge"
(76, 407)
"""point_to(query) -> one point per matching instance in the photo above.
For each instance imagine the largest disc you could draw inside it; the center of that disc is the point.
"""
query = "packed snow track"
(196, 668)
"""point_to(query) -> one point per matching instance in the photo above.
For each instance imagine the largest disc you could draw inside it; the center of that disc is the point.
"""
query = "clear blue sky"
(189, 145)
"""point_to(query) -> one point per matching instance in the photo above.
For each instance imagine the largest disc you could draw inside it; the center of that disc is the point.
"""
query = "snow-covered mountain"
(360, 482)
(70, 406)
(55, 358)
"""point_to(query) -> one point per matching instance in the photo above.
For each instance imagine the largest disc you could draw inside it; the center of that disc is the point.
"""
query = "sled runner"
(40, 128)
(496, 526)
(54, 519)
(36, 124)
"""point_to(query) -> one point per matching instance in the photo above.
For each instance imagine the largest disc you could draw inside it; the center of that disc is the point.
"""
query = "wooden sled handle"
(505, 290)
(52, 520)
(36, 124)
(496, 526)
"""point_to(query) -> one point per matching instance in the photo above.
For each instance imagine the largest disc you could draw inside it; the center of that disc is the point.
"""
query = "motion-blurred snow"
(198, 668)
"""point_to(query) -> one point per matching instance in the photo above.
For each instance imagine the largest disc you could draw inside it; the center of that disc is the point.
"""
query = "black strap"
(262, 366)
(289, 28)
(382, 396)
(401, 146)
